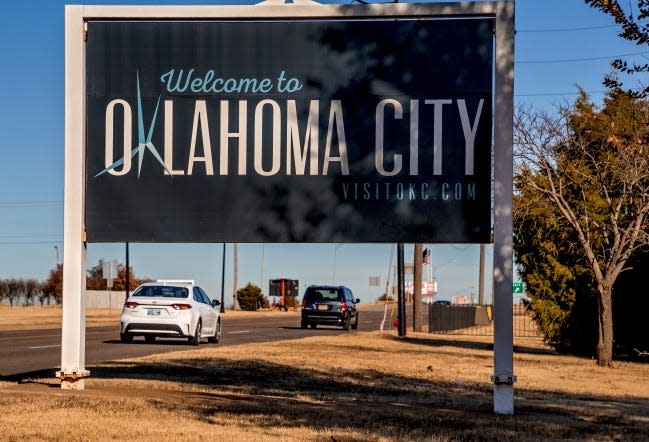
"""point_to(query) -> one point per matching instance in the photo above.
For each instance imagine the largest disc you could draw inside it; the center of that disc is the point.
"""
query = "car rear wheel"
(196, 339)
(149, 339)
(304, 324)
(126, 338)
(217, 333)
(355, 324)
(348, 320)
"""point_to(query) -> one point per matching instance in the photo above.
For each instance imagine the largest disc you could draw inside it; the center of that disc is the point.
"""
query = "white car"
(170, 309)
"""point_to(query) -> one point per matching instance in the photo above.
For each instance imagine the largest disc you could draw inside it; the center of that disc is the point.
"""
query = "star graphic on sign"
(143, 143)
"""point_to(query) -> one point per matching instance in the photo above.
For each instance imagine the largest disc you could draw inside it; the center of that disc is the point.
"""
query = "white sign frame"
(73, 372)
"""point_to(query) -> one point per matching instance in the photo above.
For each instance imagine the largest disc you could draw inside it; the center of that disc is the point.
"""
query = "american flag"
(426, 258)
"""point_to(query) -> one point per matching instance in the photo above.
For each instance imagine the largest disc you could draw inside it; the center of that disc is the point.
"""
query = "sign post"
(352, 133)
(503, 377)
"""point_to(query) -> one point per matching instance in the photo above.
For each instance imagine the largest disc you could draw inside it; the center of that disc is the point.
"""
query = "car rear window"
(162, 291)
(323, 294)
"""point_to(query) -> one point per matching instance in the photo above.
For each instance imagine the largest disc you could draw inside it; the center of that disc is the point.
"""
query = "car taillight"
(130, 304)
(303, 303)
(343, 306)
(181, 306)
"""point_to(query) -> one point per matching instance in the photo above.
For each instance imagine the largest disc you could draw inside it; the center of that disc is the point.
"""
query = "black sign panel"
(300, 131)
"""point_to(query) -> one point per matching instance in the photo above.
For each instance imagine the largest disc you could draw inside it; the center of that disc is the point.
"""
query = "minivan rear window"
(162, 291)
(323, 294)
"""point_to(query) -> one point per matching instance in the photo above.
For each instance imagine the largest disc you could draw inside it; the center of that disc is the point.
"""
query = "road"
(39, 350)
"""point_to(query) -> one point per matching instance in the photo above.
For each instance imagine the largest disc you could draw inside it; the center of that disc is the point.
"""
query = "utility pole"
(261, 269)
(401, 304)
(416, 297)
(223, 280)
(127, 274)
(235, 276)
(481, 276)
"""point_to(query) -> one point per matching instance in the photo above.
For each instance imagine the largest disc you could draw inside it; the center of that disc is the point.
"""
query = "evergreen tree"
(557, 279)
(251, 298)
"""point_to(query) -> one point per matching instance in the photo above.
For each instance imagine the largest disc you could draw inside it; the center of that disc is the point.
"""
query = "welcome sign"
(289, 131)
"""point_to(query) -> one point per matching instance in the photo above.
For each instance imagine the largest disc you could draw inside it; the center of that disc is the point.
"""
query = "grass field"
(50, 316)
(357, 387)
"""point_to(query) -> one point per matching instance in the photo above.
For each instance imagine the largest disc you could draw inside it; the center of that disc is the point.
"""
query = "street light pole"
(57, 253)
(127, 283)
(261, 269)
(223, 281)
(235, 275)
(401, 299)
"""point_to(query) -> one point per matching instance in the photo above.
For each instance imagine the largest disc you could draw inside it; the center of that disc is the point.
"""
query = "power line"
(18, 243)
(34, 235)
(571, 60)
(552, 94)
(34, 203)
(585, 28)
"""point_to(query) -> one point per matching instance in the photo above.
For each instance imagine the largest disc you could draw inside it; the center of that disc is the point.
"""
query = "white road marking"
(45, 346)
(240, 331)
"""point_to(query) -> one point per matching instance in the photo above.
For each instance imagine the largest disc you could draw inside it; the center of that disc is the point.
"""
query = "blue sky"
(560, 45)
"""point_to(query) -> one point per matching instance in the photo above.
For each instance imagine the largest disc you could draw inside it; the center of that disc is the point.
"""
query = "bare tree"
(53, 286)
(14, 290)
(4, 289)
(31, 289)
(592, 166)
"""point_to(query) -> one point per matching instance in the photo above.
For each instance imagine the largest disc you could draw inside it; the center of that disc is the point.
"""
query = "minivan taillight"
(304, 303)
(181, 306)
(130, 304)
(343, 306)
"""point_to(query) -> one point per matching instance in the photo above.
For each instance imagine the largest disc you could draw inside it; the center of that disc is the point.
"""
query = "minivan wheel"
(196, 339)
(126, 338)
(348, 320)
(355, 324)
(303, 324)
(149, 339)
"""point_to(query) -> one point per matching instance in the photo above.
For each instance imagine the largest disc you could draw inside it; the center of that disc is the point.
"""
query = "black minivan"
(329, 305)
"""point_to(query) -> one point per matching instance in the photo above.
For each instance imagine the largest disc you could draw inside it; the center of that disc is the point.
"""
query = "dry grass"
(358, 387)
(50, 316)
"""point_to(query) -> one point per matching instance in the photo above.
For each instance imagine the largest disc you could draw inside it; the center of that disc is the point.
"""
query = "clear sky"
(560, 45)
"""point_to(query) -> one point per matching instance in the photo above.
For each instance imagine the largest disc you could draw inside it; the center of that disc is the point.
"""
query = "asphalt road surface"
(36, 351)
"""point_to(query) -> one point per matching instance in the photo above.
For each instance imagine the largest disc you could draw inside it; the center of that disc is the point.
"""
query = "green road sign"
(517, 287)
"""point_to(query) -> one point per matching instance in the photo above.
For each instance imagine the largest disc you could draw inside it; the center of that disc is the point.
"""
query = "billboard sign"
(289, 131)
(428, 288)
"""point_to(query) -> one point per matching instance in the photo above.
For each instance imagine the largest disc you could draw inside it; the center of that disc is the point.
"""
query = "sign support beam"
(503, 377)
(73, 345)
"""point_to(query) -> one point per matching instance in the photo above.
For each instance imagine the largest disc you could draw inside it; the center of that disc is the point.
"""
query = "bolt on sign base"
(73, 380)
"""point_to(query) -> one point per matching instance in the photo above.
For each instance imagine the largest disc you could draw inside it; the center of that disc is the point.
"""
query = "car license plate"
(153, 312)
(323, 307)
